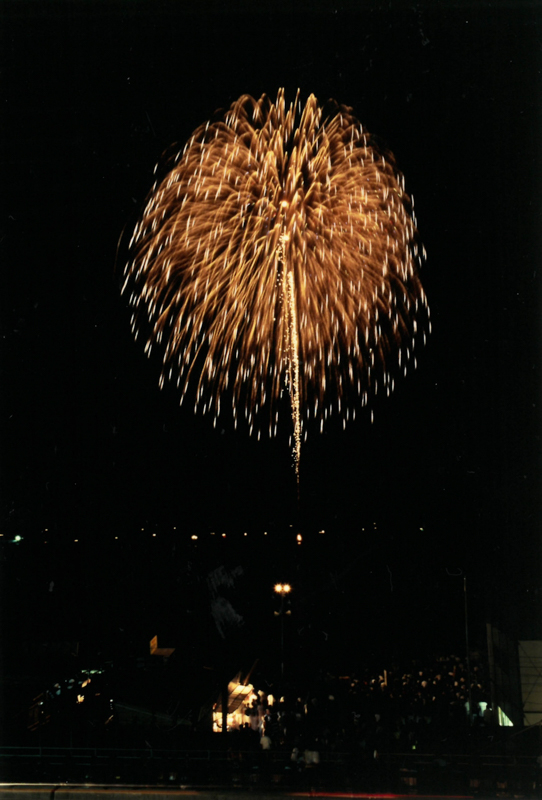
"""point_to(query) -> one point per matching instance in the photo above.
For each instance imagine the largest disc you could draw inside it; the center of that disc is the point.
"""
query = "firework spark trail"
(294, 370)
(292, 348)
(280, 246)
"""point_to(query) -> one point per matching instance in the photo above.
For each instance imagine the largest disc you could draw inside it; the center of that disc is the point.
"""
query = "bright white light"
(504, 720)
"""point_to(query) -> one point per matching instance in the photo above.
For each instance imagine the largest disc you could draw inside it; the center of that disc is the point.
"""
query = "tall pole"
(492, 677)
(282, 589)
(467, 646)
(282, 638)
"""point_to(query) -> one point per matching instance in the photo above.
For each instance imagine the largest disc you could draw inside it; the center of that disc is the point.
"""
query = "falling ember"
(280, 249)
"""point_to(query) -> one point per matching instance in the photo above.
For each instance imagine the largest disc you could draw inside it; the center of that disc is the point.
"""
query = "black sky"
(92, 93)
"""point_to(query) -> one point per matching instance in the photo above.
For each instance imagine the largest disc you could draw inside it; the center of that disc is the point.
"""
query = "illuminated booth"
(240, 699)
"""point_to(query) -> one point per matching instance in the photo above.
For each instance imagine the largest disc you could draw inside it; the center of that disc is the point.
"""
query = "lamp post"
(282, 589)
(467, 646)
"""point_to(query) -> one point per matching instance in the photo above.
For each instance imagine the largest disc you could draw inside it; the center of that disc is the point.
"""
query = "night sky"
(445, 482)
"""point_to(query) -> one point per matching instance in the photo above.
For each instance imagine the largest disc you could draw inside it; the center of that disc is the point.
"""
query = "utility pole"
(282, 589)
(467, 646)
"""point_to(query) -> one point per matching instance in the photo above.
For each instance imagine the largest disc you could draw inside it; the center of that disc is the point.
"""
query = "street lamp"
(467, 646)
(282, 589)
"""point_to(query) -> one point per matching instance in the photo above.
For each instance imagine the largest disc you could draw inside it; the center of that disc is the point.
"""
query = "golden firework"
(280, 251)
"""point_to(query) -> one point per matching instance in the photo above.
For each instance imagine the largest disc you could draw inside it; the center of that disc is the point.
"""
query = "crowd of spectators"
(415, 707)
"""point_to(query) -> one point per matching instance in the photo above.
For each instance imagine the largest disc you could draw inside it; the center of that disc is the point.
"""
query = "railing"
(489, 775)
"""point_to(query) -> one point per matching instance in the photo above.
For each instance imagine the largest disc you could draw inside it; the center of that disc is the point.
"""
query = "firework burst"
(280, 253)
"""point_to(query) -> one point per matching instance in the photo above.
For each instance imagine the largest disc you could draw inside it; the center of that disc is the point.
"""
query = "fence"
(489, 775)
